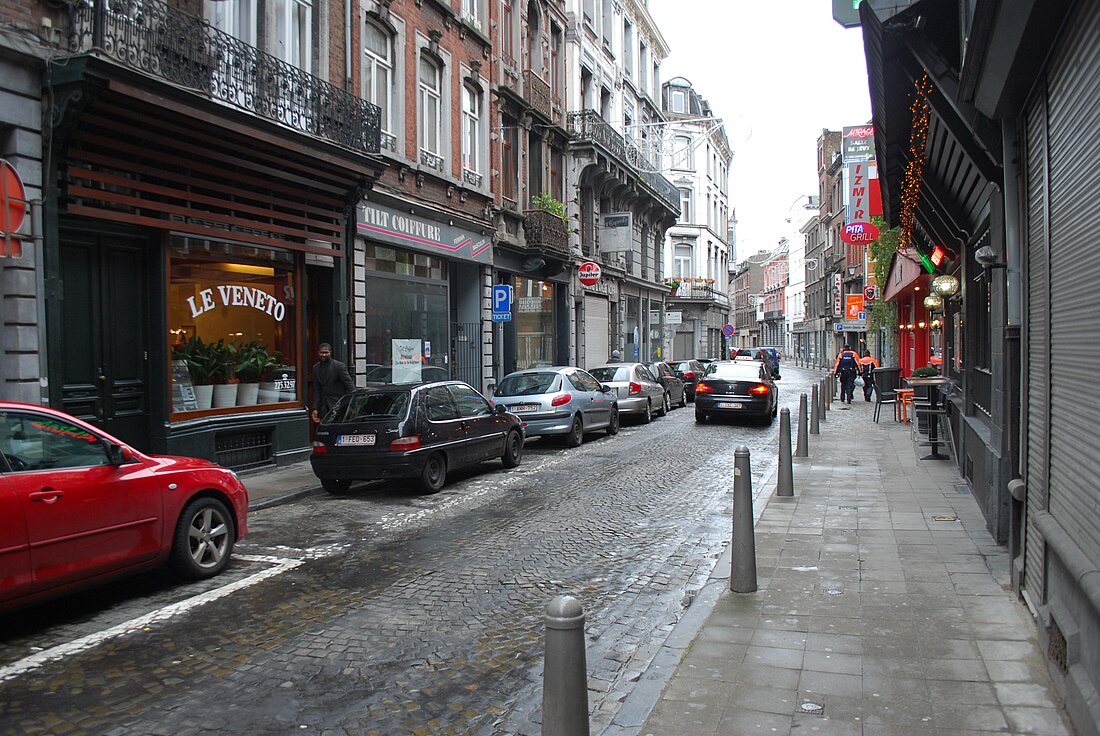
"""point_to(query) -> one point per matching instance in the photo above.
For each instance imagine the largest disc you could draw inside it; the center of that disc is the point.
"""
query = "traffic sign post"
(728, 330)
(502, 303)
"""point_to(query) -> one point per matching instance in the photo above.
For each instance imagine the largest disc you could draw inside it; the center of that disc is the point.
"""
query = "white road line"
(27, 664)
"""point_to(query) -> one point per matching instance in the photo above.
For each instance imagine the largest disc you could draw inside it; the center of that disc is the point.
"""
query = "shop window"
(534, 320)
(232, 326)
(406, 316)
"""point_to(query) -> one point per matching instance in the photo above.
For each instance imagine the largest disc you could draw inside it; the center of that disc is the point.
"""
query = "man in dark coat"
(330, 381)
(847, 368)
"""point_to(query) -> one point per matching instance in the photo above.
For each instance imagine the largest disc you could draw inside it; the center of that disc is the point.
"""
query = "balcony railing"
(545, 232)
(699, 292)
(537, 92)
(182, 49)
(588, 126)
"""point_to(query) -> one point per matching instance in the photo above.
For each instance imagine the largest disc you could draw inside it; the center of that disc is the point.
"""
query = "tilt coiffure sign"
(408, 230)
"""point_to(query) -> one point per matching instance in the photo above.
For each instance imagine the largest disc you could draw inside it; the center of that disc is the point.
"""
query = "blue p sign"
(502, 298)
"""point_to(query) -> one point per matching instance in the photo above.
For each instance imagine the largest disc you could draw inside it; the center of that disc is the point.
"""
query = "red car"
(78, 507)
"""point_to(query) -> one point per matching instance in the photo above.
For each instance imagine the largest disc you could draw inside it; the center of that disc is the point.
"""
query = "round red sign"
(589, 273)
(859, 233)
(13, 209)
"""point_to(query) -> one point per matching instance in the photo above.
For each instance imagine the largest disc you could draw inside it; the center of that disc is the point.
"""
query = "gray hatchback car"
(560, 400)
(639, 392)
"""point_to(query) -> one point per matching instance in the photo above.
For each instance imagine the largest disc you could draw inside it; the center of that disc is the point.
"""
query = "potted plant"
(253, 362)
(926, 371)
(269, 379)
(203, 366)
(225, 377)
(673, 285)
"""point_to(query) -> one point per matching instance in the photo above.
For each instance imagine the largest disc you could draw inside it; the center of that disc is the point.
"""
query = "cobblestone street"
(385, 612)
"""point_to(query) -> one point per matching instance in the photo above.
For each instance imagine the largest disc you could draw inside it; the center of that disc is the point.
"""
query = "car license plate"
(727, 404)
(355, 439)
(524, 407)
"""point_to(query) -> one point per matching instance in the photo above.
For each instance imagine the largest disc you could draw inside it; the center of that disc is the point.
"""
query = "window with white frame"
(643, 68)
(608, 19)
(678, 101)
(429, 104)
(683, 156)
(378, 72)
(685, 205)
(471, 129)
(471, 12)
(589, 12)
(507, 32)
(235, 17)
(628, 49)
(681, 261)
(293, 32)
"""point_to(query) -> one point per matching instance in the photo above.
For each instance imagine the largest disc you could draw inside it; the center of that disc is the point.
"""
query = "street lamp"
(945, 285)
(933, 302)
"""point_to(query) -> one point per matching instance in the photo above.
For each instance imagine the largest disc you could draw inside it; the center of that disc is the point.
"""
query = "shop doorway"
(466, 352)
(103, 343)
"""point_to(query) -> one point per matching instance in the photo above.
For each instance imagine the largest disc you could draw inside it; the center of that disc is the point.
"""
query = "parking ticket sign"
(502, 303)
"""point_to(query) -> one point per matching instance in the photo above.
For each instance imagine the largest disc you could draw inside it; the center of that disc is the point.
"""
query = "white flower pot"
(247, 393)
(269, 393)
(204, 394)
(225, 394)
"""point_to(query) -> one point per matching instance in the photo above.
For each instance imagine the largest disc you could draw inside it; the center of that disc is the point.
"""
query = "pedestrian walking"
(867, 365)
(847, 368)
(616, 357)
(330, 382)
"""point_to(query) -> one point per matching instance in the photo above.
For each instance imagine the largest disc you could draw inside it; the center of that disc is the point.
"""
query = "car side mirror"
(116, 454)
(500, 408)
(605, 388)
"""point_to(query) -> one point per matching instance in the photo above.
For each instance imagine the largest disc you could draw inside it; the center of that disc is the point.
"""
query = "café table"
(935, 385)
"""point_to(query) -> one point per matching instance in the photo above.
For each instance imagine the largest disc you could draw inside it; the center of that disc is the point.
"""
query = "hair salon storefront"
(420, 287)
(190, 272)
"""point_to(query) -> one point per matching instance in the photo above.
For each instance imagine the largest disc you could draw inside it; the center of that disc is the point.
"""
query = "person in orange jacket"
(847, 368)
(867, 364)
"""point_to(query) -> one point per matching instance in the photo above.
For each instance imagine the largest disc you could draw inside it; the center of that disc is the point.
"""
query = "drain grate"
(962, 489)
(945, 517)
(812, 709)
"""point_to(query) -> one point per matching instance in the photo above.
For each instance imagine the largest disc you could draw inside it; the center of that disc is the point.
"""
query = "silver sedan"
(559, 400)
(639, 392)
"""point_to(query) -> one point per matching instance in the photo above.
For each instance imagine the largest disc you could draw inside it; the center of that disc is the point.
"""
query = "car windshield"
(734, 371)
(609, 373)
(685, 366)
(372, 405)
(527, 384)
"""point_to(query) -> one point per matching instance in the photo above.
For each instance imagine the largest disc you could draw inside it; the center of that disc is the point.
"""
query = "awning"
(905, 271)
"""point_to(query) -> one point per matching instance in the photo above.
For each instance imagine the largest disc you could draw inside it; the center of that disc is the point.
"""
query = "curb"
(284, 498)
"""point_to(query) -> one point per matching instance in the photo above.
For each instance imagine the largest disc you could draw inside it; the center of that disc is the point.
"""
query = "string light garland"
(914, 169)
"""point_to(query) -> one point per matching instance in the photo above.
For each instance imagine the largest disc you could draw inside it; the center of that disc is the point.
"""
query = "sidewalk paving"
(280, 484)
(883, 609)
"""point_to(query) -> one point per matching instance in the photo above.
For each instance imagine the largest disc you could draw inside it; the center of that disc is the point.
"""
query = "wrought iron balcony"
(538, 93)
(545, 232)
(174, 46)
(589, 127)
(689, 290)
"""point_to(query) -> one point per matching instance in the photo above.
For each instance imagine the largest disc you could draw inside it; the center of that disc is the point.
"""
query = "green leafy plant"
(925, 371)
(546, 201)
(203, 360)
(226, 357)
(254, 362)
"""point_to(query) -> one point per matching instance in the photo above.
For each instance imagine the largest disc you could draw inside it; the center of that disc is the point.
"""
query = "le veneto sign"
(234, 295)
(387, 225)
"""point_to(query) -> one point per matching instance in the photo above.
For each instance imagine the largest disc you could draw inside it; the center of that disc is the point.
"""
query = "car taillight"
(319, 448)
(635, 387)
(689, 375)
(561, 400)
(704, 388)
(759, 390)
(404, 444)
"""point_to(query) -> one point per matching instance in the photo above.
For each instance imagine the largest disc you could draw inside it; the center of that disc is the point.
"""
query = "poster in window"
(407, 361)
(183, 393)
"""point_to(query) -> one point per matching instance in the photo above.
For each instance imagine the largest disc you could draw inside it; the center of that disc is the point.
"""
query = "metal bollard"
(830, 388)
(565, 673)
(802, 447)
(743, 572)
(825, 401)
(815, 410)
(785, 485)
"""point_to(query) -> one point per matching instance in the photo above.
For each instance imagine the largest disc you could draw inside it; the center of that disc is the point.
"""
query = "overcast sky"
(777, 72)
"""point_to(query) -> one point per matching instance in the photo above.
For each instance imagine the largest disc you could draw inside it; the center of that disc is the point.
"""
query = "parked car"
(383, 374)
(675, 392)
(737, 388)
(689, 371)
(559, 401)
(773, 356)
(419, 431)
(78, 507)
(760, 356)
(638, 392)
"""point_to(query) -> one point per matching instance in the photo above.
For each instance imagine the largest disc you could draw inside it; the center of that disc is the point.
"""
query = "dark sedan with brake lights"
(735, 389)
(78, 507)
(419, 431)
(560, 401)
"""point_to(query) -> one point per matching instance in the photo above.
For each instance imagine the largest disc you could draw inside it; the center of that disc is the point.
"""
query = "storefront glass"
(406, 316)
(232, 325)
(534, 316)
(632, 330)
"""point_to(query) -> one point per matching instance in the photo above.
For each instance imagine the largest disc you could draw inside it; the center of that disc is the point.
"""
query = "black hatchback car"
(689, 371)
(418, 431)
(736, 388)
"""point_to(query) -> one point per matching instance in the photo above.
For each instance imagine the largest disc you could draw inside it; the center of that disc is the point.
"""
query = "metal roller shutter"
(1074, 145)
(597, 330)
(1037, 383)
